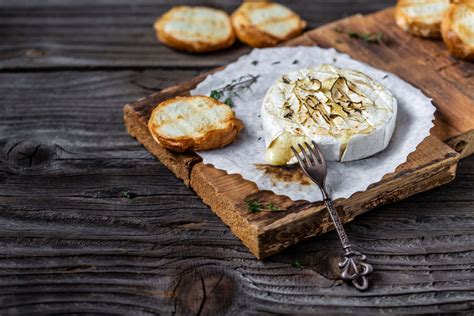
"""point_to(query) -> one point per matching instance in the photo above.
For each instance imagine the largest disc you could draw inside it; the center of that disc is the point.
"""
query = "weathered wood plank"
(434, 163)
(417, 249)
(69, 112)
(70, 243)
(69, 240)
(85, 34)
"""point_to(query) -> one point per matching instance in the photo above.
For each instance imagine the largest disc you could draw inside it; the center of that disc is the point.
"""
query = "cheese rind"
(349, 115)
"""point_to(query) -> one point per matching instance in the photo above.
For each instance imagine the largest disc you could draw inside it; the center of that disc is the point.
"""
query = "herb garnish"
(272, 207)
(231, 90)
(368, 37)
(255, 63)
(215, 94)
(128, 195)
(253, 206)
(256, 206)
(276, 62)
(376, 38)
(229, 102)
(295, 62)
(297, 264)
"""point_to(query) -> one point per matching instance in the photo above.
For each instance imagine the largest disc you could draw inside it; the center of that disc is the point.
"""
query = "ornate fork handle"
(353, 266)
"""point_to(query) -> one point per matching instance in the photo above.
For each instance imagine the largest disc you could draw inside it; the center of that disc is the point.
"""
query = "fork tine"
(314, 154)
(305, 154)
(297, 156)
(320, 154)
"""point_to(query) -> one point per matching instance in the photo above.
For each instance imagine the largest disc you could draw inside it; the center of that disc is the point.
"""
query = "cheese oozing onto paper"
(349, 115)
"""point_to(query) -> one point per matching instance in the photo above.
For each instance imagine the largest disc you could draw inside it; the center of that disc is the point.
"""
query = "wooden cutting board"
(426, 64)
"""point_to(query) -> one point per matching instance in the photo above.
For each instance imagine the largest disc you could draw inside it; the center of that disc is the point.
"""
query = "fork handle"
(341, 232)
(353, 266)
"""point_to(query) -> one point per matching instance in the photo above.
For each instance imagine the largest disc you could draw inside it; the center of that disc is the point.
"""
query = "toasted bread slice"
(458, 29)
(263, 24)
(195, 29)
(193, 123)
(421, 17)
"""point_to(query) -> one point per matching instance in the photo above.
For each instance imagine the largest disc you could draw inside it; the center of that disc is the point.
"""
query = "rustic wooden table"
(90, 222)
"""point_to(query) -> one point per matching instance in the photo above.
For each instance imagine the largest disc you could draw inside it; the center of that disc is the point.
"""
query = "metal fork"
(353, 266)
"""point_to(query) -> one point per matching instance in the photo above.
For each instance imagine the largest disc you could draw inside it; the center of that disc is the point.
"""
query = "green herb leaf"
(127, 195)
(215, 94)
(255, 63)
(253, 206)
(376, 38)
(297, 264)
(295, 62)
(379, 38)
(229, 102)
(353, 34)
(273, 207)
(233, 89)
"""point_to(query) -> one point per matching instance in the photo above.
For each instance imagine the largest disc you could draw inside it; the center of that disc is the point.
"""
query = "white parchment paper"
(414, 121)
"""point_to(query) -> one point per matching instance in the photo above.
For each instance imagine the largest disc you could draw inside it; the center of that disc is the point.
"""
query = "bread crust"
(416, 25)
(456, 46)
(252, 34)
(191, 46)
(211, 139)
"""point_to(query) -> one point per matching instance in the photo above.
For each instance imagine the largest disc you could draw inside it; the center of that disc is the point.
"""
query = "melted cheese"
(279, 152)
(332, 106)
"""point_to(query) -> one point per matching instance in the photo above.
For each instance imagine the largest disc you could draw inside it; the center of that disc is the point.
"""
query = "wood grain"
(267, 233)
(85, 34)
(70, 243)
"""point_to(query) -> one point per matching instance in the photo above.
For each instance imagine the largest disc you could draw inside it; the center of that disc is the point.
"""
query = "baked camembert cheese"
(349, 115)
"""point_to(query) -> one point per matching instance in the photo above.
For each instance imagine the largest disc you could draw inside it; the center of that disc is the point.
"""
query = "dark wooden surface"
(71, 242)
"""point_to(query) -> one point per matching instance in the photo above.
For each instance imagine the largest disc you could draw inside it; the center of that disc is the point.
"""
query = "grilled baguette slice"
(264, 24)
(458, 29)
(195, 29)
(193, 123)
(421, 17)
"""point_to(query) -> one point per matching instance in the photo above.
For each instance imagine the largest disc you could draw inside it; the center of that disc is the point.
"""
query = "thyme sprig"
(273, 207)
(232, 90)
(368, 37)
(255, 206)
(128, 195)
(297, 264)
(376, 38)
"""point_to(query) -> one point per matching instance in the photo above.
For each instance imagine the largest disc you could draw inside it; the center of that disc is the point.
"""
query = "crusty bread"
(421, 17)
(195, 29)
(458, 29)
(264, 24)
(193, 123)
